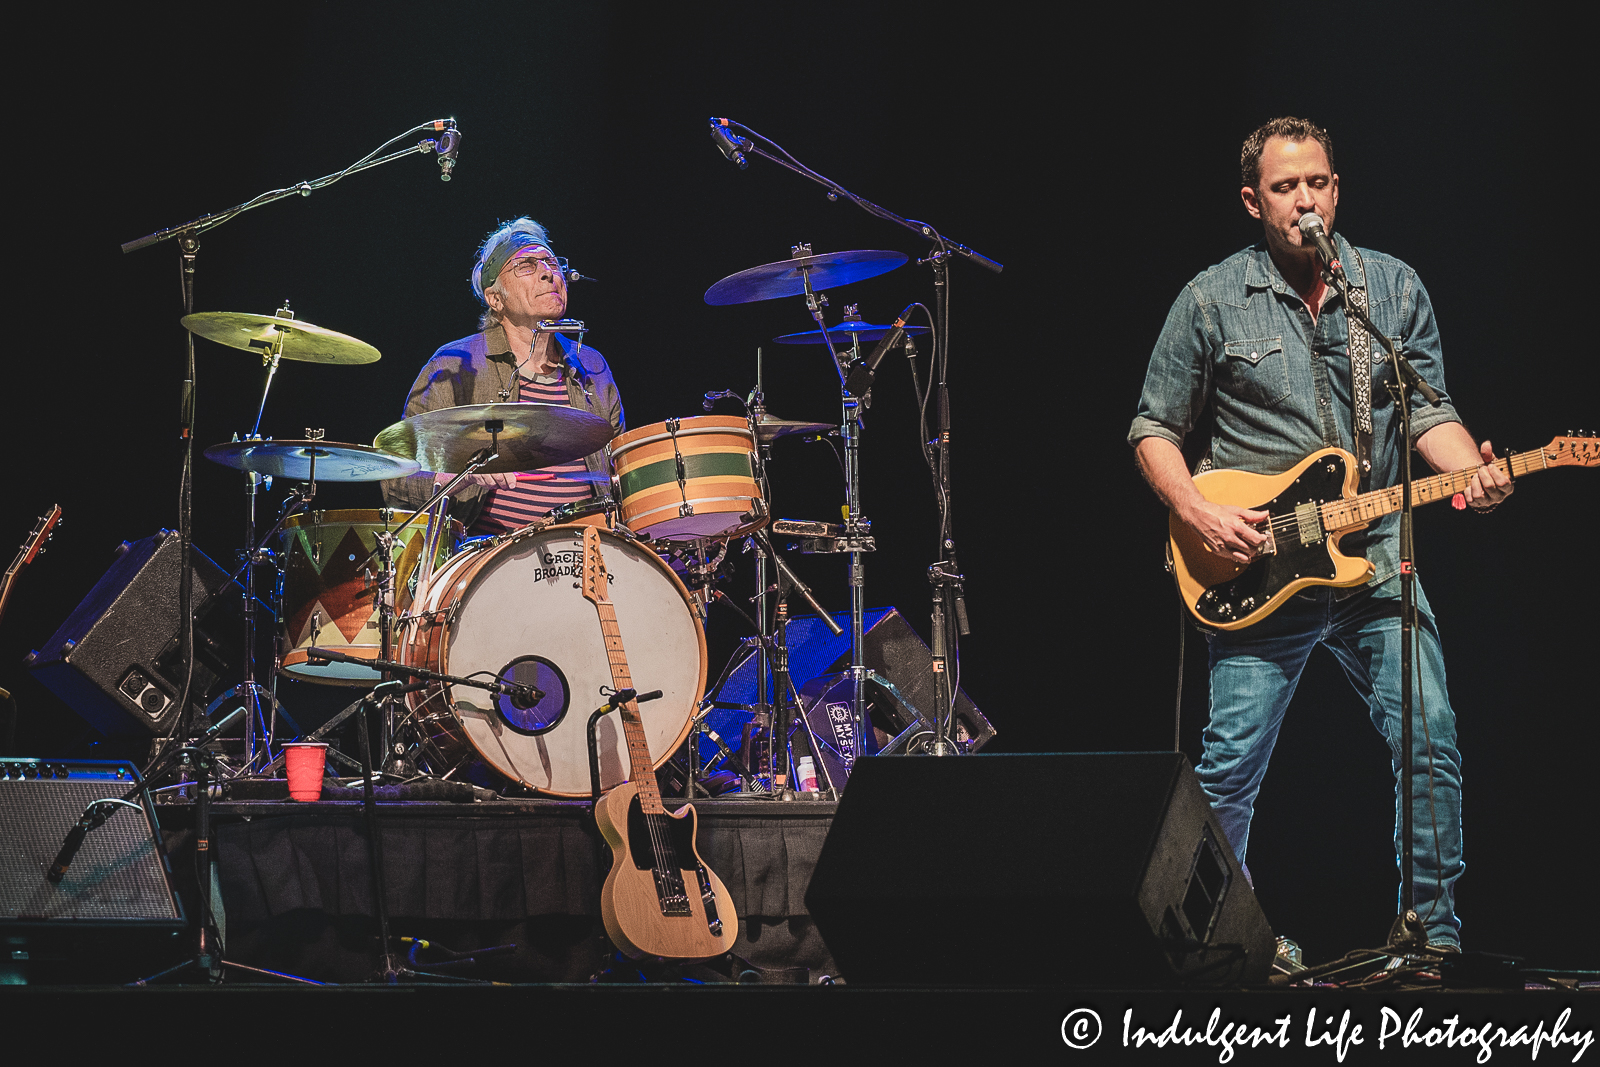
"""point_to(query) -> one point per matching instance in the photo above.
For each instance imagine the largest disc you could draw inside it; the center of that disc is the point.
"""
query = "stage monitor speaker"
(890, 647)
(114, 915)
(116, 661)
(1105, 869)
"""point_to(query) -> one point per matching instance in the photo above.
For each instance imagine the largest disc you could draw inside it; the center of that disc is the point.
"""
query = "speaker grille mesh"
(117, 874)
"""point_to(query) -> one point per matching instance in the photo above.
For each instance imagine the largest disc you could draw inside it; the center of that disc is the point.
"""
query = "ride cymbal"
(787, 277)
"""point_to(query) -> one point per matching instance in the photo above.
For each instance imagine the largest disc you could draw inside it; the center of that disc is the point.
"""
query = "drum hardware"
(949, 603)
(767, 282)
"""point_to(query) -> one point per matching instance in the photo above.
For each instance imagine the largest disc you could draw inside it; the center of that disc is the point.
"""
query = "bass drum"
(515, 610)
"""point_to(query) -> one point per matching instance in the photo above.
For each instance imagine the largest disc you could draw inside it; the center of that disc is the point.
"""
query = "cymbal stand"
(949, 608)
(384, 551)
(855, 538)
(187, 234)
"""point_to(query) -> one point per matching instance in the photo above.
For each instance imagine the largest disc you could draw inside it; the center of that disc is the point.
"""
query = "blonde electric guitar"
(1311, 507)
(660, 899)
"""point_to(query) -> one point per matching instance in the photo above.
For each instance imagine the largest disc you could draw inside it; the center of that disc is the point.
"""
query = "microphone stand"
(1407, 930)
(949, 602)
(187, 235)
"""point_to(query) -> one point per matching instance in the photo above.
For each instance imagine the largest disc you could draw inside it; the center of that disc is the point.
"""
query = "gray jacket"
(477, 370)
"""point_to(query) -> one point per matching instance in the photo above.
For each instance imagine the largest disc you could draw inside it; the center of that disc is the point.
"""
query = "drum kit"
(365, 594)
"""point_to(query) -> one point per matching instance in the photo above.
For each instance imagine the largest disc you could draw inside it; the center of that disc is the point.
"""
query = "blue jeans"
(1254, 672)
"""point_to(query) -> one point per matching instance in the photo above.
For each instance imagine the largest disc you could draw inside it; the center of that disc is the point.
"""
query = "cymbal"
(844, 333)
(530, 436)
(770, 428)
(786, 277)
(301, 340)
(336, 461)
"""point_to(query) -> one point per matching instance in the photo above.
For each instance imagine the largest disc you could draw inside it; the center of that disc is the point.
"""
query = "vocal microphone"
(449, 147)
(732, 145)
(1311, 229)
(860, 379)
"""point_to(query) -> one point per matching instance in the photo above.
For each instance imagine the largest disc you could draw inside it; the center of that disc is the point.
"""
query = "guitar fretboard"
(641, 771)
(1357, 510)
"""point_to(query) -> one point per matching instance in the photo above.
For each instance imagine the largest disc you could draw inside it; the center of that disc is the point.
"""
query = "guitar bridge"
(670, 891)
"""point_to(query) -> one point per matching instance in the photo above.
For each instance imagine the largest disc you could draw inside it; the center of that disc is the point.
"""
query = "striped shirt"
(533, 498)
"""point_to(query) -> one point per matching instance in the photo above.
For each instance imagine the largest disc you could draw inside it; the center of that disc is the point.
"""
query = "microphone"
(1311, 229)
(574, 276)
(861, 374)
(449, 147)
(732, 145)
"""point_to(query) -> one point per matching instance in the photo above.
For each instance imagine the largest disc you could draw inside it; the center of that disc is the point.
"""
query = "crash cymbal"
(770, 428)
(530, 436)
(301, 340)
(845, 333)
(336, 462)
(786, 277)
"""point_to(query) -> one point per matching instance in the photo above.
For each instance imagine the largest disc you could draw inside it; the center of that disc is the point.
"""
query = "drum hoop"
(694, 500)
(686, 431)
(472, 575)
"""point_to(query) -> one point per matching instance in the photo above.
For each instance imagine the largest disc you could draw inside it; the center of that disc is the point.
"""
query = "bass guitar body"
(1299, 552)
(660, 899)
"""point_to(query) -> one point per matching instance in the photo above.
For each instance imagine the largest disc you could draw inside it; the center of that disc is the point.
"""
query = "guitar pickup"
(1308, 521)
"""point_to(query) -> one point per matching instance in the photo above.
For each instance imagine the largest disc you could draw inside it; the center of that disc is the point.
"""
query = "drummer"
(520, 282)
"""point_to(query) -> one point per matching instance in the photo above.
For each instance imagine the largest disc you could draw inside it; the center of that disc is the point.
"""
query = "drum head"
(520, 615)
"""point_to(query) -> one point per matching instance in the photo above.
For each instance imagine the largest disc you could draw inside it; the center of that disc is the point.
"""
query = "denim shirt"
(1239, 337)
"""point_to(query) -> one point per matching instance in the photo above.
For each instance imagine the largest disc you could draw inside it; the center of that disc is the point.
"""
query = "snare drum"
(514, 609)
(330, 586)
(688, 478)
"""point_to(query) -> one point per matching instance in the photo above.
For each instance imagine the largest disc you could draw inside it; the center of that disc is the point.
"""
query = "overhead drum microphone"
(1312, 229)
(732, 145)
(448, 147)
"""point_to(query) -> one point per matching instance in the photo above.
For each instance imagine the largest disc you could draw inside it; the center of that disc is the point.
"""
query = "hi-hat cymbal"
(301, 340)
(787, 277)
(530, 436)
(770, 428)
(847, 332)
(336, 461)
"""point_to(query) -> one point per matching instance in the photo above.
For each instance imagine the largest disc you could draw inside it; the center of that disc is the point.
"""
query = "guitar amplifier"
(114, 914)
(116, 661)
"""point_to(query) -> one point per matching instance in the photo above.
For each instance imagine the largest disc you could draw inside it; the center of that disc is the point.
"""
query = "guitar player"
(1261, 339)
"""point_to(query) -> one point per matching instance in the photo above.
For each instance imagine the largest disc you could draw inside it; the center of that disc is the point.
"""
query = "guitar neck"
(641, 771)
(1364, 508)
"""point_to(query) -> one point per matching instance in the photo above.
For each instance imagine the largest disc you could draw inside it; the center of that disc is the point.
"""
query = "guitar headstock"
(1574, 450)
(41, 533)
(594, 568)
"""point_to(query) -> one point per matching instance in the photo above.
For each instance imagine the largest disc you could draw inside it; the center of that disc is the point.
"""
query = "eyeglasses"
(528, 266)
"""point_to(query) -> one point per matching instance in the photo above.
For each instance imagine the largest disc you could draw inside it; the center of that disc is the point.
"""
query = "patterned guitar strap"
(1361, 375)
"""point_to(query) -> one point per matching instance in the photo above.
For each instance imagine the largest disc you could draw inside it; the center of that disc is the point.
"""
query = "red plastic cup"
(304, 762)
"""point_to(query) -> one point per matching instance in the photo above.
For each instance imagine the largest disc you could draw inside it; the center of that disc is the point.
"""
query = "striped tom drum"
(685, 479)
(330, 587)
(513, 608)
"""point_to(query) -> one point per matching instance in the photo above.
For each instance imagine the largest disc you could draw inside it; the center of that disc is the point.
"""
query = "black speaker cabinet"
(1099, 868)
(890, 647)
(116, 661)
(114, 915)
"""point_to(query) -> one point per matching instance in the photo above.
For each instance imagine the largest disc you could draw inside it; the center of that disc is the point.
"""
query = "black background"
(1096, 159)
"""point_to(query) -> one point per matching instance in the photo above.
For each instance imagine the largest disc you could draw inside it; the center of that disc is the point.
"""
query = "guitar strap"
(1361, 375)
